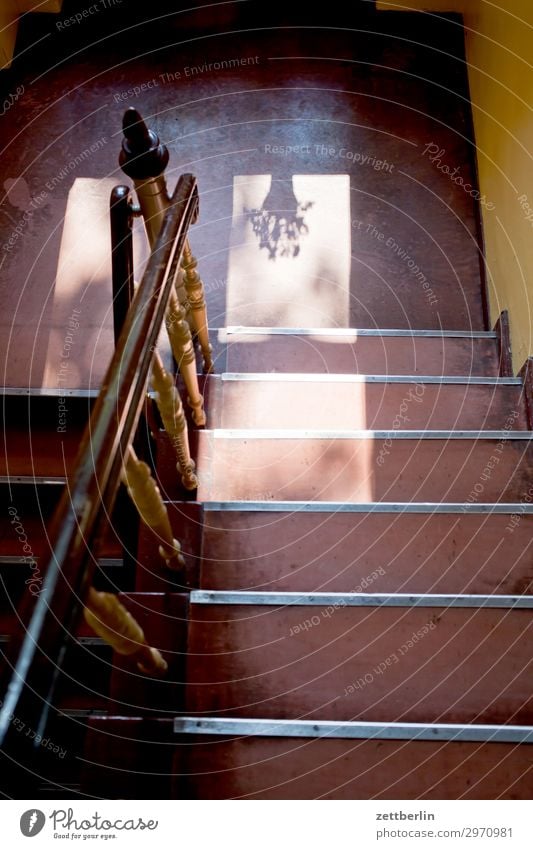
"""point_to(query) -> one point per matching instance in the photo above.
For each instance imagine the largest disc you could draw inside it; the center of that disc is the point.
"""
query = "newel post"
(144, 159)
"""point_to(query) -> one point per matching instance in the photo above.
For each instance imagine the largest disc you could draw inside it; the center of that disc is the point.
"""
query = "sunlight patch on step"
(247, 469)
(289, 261)
(293, 405)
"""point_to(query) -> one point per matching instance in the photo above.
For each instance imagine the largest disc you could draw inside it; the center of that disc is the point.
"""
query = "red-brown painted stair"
(348, 351)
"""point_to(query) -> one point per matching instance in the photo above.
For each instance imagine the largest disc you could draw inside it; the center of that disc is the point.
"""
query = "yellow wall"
(499, 40)
(420, 5)
(40, 5)
(8, 31)
(9, 13)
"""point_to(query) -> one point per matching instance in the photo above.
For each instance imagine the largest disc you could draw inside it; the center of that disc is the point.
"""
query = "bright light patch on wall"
(80, 344)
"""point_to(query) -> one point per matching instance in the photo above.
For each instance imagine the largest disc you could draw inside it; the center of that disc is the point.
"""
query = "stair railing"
(166, 395)
(106, 458)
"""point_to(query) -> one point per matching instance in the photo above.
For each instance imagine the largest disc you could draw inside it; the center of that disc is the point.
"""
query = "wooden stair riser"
(244, 468)
(367, 355)
(330, 661)
(367, 552)
(293, 768)
(366, 406)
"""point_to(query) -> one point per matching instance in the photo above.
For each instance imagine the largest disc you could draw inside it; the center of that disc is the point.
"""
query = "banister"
(91, 491)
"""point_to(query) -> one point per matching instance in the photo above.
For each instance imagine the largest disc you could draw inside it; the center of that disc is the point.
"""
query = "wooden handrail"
(90, 493)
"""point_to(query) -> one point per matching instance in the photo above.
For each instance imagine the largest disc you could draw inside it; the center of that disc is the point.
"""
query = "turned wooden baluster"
(198, 310)
(182, 346)
(145, 494)
(171, 409)
(113, 623)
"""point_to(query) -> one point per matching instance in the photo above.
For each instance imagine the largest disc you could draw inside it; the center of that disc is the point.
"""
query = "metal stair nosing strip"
(33, 480)
(421, 435)
(22, 560)
(45, 392)
(242, 330)
(331, 377)
(81, 641)
(52, 392)
(367, 507)
(289, 599)
(416, 731)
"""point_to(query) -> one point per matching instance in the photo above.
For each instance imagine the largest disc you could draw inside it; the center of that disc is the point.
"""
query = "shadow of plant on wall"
(279, 224)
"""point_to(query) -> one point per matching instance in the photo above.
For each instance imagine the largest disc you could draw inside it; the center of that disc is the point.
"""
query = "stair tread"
(34, 520)
(362, 467)
(290, 402)
(248, 349)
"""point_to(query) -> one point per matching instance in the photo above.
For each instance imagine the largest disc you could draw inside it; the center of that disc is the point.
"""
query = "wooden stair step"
(39, 452)
(314, 547)
(42, 431)
(94, 677)
(217, 758)
(163, 618)
(84, 680)
(295, 401)
(18, 578)
(249, 759)
(128, 757)
(55, 763)
(392, 466)
(30, 502)
(366, 657)
(348, 351)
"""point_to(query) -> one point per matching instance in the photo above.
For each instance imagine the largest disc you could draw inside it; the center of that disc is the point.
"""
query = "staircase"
(354, 618)
(360, 628)
(358, 623)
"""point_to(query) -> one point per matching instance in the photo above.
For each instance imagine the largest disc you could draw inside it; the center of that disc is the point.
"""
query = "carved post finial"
(142, 156)
(144, 159)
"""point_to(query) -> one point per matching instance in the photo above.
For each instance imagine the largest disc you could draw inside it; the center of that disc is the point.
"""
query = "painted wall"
(499, 40)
